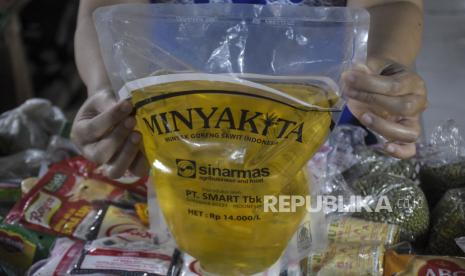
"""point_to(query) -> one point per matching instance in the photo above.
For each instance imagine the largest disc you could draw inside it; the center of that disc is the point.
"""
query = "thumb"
(359, 67)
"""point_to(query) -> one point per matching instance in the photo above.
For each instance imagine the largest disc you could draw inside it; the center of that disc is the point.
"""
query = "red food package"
(67, 198)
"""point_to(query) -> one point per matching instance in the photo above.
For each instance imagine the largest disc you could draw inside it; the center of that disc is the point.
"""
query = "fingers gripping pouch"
(227, 122)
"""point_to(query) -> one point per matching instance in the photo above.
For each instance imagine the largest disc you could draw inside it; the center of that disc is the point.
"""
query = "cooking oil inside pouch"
(217, 145)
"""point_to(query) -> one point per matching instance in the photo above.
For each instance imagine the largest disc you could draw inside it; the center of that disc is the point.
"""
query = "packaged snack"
(353, 230)
(20, 247)
(416, 265)
(63, 256)
(235, 120)
(64, 201)
(112, 220)
(448, 224)
(142, 212)
(27, 184)
(130, 253)
(10, 192)
(347, 259)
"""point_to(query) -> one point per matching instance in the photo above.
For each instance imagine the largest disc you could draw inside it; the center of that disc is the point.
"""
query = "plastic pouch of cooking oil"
(231, 101)
(218, 146)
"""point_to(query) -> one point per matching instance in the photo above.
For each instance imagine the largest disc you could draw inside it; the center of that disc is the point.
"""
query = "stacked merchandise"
(62, 216)
(55, 204)
(74, 220)
(427, 203)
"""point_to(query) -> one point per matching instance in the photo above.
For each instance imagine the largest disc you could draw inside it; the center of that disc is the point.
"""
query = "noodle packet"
(66, 200)
(20, 247)
(63, 256)
(227, 123)
(129, 253)
(10, 192)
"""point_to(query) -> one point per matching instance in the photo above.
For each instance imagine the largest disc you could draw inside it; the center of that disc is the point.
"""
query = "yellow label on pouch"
(217, 145)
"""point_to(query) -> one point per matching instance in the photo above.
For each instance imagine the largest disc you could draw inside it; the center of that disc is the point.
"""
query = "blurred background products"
(36, 49)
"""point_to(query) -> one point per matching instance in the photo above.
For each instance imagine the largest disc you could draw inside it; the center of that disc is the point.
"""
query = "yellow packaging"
(217, 145)
(16, 249)
(347, 259)
(348, 229)
(142, 212)
(116, 221)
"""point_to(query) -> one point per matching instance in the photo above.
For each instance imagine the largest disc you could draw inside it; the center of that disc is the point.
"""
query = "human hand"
(103, 129)
(389, 103)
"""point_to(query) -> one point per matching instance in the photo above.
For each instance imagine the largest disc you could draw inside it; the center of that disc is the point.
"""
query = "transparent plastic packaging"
(280, 40)
(29, 126)
(63, 255)
(448, 224)
(354, 159)
(442, 161)
(346, 159)
(353, 230)
(362, 176)
(347, 259)
(407, 202)
(130, 253)
(461, 243)
(231, 100)
(22, 164)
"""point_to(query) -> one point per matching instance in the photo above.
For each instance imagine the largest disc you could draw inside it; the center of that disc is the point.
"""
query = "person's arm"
(387, 96)
(395, 32)
(87, 51)
(103, 127)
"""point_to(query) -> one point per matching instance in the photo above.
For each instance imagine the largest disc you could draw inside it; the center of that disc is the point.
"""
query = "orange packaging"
(416, 265)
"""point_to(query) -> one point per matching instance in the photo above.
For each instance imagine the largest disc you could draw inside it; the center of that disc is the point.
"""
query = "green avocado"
(407, 201)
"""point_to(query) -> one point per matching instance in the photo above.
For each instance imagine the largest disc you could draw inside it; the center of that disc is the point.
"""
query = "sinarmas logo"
(186, 168)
